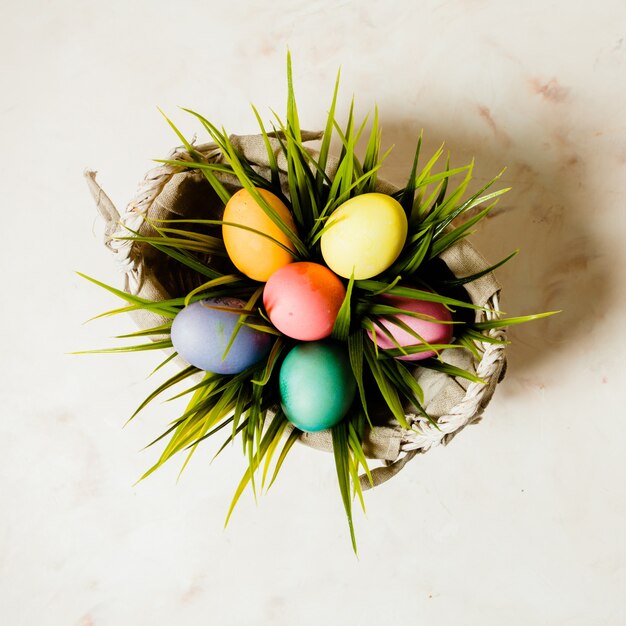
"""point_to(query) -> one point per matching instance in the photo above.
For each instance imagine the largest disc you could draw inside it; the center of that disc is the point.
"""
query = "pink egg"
(303, 299)
(430, 332)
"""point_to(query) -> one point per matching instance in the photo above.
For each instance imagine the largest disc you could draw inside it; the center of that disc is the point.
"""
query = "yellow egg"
(365, 235)
(253, 254)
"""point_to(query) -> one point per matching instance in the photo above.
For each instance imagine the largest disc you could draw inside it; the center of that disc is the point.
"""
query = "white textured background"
(520, 521)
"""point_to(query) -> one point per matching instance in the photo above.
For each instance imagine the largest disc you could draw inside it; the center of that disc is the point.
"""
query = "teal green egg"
(317, 385)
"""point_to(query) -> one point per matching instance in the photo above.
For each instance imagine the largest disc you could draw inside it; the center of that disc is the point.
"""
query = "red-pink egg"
(303, 299)
(431, 332)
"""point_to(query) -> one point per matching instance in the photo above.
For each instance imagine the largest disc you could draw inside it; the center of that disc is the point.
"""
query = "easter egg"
(365, 235)
(253, 254)
(201, 334)
(303, 299)
(430, 331)
(316, 385)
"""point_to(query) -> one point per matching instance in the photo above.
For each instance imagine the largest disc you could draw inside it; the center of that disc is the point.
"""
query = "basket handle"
(383, 474)
(104, 205)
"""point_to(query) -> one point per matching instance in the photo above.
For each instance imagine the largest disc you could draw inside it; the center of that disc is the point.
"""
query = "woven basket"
(170, 192)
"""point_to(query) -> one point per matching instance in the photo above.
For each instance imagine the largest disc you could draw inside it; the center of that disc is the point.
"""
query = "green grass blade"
(505, 322)
(341, 328)
(212, 244)
(359, 455)
(374, 326)
(228, 279)
(230, 438)
(479, 337)
(326, 139)
(162, 364)
(463, 280)
(341, 453)
(154, 307)
(355, 353)
(370, 160)
(470, 345)
(407, 194)
(466, 206)
(422, 209)
(451, 370)
(243, 315)
(271, 156)
(163, 329)
(181, 256)
(192, 151)
(173, 242)
(155, 345)
(353, 470)
(274, 355)
(418, 349)
(442, 211)
(345, 136)
(416, 394)
(294, 435)
(442, 243)
(117, 292)
(387, 390)
(268, 437)
(416, 294)
(173, 380)
(411, 259)
(293, 121)
(271, 449)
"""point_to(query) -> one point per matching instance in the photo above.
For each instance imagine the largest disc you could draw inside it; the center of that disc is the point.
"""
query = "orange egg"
(253, 254)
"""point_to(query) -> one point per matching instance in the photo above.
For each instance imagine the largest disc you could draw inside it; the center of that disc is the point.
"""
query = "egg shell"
(201, 334)
(365, 235)
(253, 254)
(431, 332)
(303, 299)
(317, 385)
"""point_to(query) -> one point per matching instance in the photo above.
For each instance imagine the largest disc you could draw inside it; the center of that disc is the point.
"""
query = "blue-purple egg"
(201, 333)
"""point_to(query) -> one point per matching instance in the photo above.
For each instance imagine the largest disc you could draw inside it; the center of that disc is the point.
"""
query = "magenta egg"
(303, 299)
(431, 330)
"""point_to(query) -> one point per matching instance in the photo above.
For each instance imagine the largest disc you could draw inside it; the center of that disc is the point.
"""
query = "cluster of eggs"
(362, 238)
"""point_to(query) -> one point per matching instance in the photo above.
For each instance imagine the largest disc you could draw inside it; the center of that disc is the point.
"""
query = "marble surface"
(520, 521)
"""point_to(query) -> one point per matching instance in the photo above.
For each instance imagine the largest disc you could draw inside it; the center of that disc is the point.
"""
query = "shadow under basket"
(176, 192)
